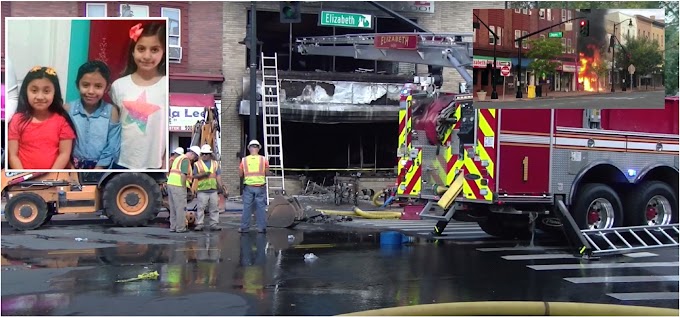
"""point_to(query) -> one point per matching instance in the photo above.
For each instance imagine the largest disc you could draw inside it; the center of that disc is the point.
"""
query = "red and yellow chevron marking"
(451, 153)
(409, 103)
(411, 183)
(402, 129)
(439, 172)
(486, 133)
(456, 114)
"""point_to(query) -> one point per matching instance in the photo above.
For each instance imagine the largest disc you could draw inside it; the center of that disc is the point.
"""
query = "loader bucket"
(284, 212)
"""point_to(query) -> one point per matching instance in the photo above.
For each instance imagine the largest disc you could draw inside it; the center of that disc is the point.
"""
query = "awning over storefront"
(329, 113)
(185, 110)
(481, 61)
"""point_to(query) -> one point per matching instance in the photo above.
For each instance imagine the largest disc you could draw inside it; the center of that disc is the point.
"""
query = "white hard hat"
(195, 149)
(179, 150)
(254, 142)
(205, 149)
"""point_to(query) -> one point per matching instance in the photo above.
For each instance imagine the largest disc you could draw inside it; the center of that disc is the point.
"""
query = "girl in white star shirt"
(141, 95)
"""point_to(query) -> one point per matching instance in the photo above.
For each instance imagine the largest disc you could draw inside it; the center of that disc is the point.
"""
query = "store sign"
(413, 6)
(567, 67)
(183, 119)
(399, 42)
(481, 63)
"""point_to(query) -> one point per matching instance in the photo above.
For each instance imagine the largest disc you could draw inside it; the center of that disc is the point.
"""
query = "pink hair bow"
(136, 31)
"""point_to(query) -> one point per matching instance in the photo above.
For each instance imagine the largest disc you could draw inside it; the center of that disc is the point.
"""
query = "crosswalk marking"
(623, 279)
(521, 248)
(580, 266)
(469, 233)
(640, 254)
(538, 256)
(646, 296)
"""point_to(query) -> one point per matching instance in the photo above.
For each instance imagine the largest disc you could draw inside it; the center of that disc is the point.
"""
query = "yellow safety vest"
(253, 170)
(175, 175)
(210, 182)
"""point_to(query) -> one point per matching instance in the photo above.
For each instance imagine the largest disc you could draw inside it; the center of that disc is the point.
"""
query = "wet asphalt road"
(48, 272)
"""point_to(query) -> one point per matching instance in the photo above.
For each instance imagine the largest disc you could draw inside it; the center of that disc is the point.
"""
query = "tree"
(671, 60)
(642, 52)
(544, 52)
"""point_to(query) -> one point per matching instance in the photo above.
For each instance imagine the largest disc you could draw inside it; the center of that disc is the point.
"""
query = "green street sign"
(555, 34)
(346, 20)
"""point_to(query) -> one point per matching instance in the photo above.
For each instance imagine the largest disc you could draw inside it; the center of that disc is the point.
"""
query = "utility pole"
(253, 72)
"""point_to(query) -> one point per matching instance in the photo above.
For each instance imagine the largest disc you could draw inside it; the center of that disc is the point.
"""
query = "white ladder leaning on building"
(271, 125)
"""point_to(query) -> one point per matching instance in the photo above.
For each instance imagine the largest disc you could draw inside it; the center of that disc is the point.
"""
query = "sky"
(658, 13)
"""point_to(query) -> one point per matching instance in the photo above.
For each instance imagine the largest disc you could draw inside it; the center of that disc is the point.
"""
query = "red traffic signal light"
(583, 23)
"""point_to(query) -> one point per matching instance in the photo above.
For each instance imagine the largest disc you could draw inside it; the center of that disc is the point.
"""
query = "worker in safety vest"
(207, 174)
(253, 169)
(177, 152)
(179, 181)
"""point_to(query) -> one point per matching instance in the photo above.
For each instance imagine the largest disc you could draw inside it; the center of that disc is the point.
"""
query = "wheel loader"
(128, 199)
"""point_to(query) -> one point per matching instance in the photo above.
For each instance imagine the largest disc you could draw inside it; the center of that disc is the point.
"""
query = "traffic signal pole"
(494, 93)
(519, 52)
(253, 74)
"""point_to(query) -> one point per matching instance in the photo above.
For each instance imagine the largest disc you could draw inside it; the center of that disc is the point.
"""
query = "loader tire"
(132, 199)
(26, 211)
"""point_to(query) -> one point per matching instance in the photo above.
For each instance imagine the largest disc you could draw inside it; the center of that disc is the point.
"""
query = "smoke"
(598, 33)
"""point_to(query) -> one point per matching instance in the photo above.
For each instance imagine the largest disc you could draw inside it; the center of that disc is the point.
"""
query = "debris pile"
(321, 218)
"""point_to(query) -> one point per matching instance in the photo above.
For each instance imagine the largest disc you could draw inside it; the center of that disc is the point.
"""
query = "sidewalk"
(510, 97)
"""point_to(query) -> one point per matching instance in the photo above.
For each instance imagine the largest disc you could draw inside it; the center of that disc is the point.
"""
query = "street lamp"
(612, 44)
(494, 93)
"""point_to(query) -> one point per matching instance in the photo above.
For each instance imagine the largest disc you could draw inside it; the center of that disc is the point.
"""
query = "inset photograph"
(567, 58)
(86, 94)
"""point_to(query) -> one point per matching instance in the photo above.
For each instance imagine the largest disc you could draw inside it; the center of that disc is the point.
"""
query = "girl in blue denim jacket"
(97, 122)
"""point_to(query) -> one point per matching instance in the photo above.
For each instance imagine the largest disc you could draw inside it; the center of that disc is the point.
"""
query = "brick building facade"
(510, 24)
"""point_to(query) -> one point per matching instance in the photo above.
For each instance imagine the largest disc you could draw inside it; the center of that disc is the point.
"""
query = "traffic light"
(290, 12)
(584, 29)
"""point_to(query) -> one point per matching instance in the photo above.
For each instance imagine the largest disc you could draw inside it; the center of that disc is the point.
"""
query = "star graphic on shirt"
(139, 111)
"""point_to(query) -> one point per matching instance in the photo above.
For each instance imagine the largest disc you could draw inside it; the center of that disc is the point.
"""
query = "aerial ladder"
(441, 49)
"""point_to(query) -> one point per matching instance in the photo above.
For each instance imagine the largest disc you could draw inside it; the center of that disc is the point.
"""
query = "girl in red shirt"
(40, 133)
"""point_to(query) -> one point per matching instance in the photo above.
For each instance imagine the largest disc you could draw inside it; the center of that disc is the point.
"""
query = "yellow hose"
(336, 212)
(377, 214)
(519, 308)
(363, 214)
(375, 198)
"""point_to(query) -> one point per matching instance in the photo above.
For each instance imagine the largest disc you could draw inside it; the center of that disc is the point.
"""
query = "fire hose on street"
(519, 309)
(363, 214)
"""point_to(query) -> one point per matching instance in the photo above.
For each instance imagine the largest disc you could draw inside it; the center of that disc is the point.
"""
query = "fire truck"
(606, 178)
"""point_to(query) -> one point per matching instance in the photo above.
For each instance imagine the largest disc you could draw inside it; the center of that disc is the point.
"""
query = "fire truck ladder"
(594, 242)
(446, 49)
(271, 124)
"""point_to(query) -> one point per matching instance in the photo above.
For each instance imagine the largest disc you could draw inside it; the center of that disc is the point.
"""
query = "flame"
(586, 75)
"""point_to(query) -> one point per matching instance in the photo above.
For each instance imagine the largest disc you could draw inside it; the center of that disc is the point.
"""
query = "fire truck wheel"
(26, 211)
(652, 203)
(132, 199)
(597, 207)
(506, 227)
